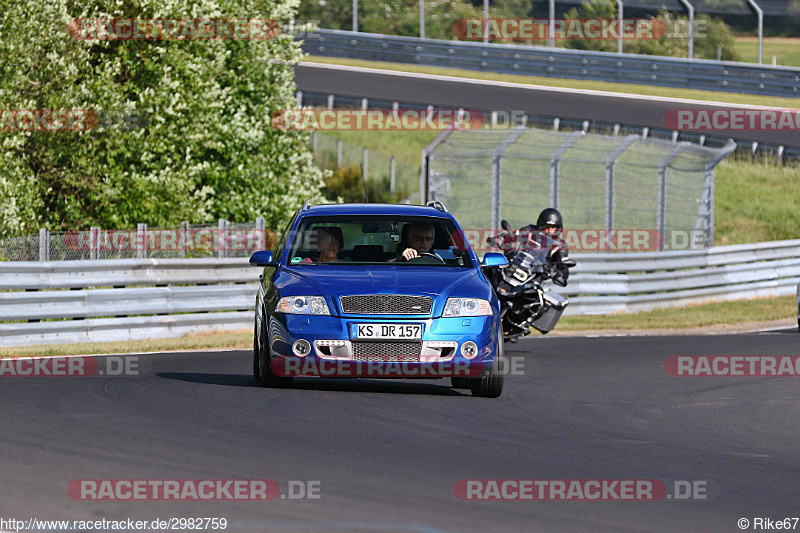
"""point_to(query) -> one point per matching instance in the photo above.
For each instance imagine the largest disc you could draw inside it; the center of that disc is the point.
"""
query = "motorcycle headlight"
(467, 307)
(303, 305)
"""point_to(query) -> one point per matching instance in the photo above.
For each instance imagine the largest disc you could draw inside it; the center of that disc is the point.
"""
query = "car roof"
(374, 209)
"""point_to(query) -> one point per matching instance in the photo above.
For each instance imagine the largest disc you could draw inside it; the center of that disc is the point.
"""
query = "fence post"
(184, 237)
(555, 164)
(314, 142)
(222, 228)
(299, 98)
(94, 237)
(364, 171)
(392, 182)
(339, 153)
(261, 229)
(497, 173)
(141, 241)
(662, 191)
(610, 163)
(44, 244)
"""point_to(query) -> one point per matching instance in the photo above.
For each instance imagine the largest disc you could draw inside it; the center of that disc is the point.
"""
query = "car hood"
(333, 281)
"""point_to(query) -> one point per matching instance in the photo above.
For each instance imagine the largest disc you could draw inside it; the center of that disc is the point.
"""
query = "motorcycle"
(524, 302)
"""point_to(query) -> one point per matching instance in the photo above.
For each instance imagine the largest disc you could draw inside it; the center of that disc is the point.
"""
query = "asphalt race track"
(387, 453)
(444, 91)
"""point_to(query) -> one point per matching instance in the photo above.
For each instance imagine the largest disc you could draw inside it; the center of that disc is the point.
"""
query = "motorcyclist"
(547, 232)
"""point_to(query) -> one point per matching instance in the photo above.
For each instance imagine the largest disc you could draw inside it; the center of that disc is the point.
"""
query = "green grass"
(756, 202)
(702, 315)
(405, 146)
(786, 50)
(629, 88)
(206, 341)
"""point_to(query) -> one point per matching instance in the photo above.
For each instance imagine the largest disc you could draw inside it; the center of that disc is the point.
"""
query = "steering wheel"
(427, 254)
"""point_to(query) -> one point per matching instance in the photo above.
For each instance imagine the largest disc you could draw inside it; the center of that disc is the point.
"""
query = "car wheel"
(491, 385)
(265, 374)
(460, 383)
(256, 351)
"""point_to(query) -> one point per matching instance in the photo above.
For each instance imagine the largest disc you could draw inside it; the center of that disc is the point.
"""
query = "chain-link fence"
(224, 239)
(333, 153)
(599, 183)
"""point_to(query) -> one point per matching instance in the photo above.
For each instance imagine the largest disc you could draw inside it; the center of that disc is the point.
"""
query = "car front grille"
(386, 351)
(386, 304)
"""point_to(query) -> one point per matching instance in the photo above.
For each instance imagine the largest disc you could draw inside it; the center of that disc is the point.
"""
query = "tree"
(346, 184)
(205, 148)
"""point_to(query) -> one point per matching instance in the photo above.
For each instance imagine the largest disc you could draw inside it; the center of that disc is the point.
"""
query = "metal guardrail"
(123, 299)
(69, 301)
(559, 63)
(609, 283)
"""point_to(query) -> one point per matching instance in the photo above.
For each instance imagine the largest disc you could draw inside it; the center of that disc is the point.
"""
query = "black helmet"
(549, 217)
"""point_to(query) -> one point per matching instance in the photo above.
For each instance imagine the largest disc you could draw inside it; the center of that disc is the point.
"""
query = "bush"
(205, 148)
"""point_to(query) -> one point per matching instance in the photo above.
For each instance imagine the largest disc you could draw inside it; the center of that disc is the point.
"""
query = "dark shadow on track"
(380, 386)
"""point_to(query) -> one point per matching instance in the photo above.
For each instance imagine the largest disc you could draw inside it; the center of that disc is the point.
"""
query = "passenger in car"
(329, 242)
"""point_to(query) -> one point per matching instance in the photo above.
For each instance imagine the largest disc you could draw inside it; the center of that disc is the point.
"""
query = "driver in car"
(420, 241)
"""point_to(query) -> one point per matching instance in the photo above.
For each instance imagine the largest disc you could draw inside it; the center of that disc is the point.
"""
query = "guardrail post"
(331, 101)
(44, 244)
(364, 104)
(299, 98)
(141, 241)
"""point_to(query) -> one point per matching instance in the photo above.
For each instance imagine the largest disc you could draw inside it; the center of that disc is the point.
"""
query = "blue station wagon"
(377, 290)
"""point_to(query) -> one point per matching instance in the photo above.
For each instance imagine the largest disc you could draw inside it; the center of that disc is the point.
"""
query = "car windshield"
(371, 239)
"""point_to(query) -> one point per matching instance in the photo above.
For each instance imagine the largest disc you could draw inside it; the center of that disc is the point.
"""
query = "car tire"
(256, 351)
(491, 384)
(460, 383)
(263, 369)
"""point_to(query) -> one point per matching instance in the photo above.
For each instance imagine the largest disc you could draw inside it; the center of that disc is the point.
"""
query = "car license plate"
(386, 331)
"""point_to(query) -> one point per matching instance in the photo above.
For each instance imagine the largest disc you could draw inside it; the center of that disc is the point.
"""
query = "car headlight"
(303, 305)
(467, 307)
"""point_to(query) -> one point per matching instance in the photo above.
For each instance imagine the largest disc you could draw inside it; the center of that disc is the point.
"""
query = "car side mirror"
(263, 258)
(494, 259)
